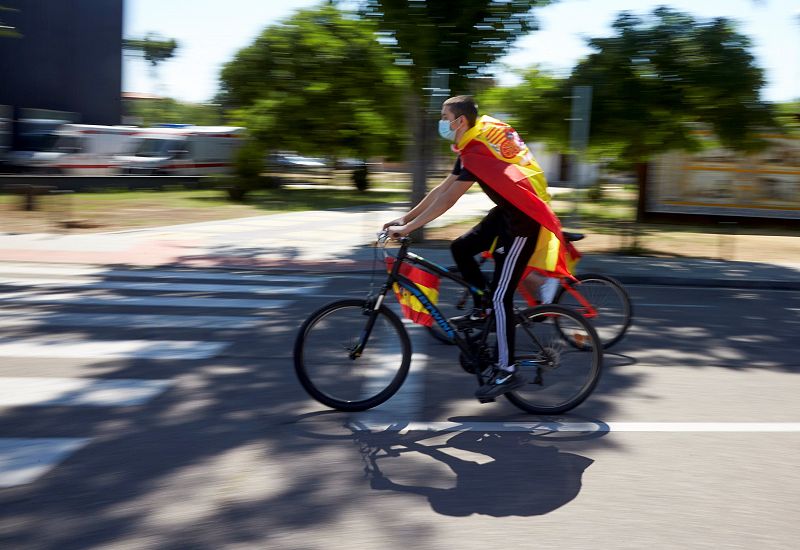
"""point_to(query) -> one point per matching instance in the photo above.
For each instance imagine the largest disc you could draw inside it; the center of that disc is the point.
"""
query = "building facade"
(67, 58)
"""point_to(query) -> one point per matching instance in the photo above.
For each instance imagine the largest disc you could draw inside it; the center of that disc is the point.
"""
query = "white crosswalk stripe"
(30, 270)
(140, 301)
(39, 392)
(21, 318)
(113, 349)
(23, 460)
(36, 300)
(94, 283)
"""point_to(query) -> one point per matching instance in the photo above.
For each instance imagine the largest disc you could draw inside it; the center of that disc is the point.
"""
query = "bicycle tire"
(322, 371)
(610, 300)
(550, 364)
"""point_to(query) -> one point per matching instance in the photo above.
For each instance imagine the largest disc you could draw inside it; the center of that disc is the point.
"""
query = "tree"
(168, 110)
(537, 107)
(788, 116)
(318, 83)
(153, 48)
(654, 76)
(457, 38)
(657, 76)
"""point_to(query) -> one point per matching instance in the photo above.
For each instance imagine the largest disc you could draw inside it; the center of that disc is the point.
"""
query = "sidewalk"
(337, 241)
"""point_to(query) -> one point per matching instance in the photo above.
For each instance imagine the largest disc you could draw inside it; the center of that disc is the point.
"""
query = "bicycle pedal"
(486, 400)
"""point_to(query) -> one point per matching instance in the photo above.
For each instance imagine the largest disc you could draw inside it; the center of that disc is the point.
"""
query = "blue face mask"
(445, 131)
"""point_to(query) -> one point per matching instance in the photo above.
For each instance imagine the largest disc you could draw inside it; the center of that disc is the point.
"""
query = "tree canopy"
(457, 38)
(655, 75)
(538, 107)
(461, 37)
(318, 83)
(153, 48)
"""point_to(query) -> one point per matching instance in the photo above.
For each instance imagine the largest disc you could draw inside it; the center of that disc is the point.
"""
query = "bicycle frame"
(586, 309)
(394, 277)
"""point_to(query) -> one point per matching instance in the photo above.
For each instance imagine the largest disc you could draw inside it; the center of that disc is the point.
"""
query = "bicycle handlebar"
(384, 236)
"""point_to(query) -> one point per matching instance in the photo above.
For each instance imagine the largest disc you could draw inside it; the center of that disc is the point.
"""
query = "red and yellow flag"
(493, 151)
(427, 282)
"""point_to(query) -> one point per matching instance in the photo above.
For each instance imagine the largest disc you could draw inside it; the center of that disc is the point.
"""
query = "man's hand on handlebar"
(396, 221)
(397, 232)
(393, 232)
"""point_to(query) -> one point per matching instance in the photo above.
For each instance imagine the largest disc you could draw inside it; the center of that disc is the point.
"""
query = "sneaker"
(475, 317)
(502, 382)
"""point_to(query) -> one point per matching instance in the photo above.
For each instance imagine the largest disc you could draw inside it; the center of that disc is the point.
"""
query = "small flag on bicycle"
(426, 282)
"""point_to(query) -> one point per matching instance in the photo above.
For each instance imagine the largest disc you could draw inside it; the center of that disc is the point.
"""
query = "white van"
(87, 149)
(184, 151)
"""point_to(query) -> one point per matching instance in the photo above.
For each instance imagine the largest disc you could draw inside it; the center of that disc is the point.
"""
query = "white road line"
(140, 301)
(93, 283)
(675, 305)
(27, 319)
(61, 347)
(24, 460)
(93, 392)
(582, 427)
(78, 271)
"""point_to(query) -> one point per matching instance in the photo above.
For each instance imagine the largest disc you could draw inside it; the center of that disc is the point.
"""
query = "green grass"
(121, 209)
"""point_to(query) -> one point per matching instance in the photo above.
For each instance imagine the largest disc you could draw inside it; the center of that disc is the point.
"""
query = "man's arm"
(425, 203)
(444, 200)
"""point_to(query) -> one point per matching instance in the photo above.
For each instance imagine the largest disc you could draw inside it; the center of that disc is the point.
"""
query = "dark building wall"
(69, 57)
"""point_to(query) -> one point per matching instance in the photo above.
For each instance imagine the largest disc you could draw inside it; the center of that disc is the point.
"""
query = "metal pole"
(579, 140)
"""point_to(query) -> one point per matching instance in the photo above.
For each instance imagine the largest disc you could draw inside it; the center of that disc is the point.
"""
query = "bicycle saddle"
(572, 236)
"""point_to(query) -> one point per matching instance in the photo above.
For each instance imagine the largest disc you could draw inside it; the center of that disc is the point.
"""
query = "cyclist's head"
(460, 106)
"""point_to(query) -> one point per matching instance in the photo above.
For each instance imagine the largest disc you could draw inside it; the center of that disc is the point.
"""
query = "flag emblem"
(411, 307)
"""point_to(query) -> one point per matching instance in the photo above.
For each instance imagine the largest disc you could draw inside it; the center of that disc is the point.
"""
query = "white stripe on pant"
(509, 265)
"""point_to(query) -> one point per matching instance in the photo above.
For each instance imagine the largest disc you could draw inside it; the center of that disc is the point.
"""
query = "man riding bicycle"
(492, 154)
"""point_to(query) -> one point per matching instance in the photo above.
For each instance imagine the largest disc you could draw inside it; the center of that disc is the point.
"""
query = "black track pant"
(511, 256)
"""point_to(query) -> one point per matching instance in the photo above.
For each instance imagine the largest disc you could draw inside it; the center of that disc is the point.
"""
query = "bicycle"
(599, 298)
(354, 354)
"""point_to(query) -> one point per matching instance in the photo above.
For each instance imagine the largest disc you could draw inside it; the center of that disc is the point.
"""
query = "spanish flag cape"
(493, 151)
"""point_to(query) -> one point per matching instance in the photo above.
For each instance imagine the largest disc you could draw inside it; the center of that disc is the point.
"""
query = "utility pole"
(579, 141)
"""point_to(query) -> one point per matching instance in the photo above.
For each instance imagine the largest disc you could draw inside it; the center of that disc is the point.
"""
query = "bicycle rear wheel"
(329, 371)
(607, 305)
(559, 376)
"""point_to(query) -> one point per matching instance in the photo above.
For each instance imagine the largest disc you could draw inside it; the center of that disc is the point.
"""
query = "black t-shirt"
(517, 222)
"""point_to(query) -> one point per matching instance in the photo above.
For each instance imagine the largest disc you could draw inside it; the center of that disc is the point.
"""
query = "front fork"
(372, 305)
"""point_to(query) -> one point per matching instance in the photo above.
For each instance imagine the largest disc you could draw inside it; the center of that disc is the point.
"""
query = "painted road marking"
(140, 301)
(582, 427)
(24, 460)
(675, 305)
(26, 318)
(92, 283)
(62, 347)
(77, 271)
(93, 392)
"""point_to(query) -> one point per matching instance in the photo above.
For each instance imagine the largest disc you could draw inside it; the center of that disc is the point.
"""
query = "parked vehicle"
(183, 151)
(35, 136)
(87, 150)
(292, 162)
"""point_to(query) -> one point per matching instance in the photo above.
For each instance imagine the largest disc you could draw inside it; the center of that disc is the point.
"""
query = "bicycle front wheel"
(602, 300)
(333, 374)
(559, 376)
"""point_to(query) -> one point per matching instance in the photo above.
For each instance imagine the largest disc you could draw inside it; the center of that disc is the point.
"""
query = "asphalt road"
(144, 409)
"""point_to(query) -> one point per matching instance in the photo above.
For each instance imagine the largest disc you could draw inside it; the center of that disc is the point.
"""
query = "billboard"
(722, 182)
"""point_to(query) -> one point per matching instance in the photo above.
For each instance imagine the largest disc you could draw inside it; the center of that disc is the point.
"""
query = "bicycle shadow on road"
(492, 473)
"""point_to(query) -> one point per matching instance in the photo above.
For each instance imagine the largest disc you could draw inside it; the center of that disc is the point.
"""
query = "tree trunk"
(641, 179)
(420, 154)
